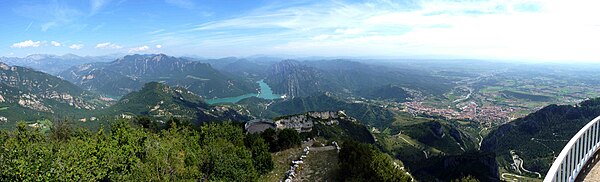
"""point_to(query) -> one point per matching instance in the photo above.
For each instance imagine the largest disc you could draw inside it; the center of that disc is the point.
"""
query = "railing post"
(588, 138)
(571, 162)
(564, 171)
(585, 147)
(595, 135)
(578, 151)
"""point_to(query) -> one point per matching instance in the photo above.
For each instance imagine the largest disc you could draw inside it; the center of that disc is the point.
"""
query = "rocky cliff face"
(293, 79)
(305, 122)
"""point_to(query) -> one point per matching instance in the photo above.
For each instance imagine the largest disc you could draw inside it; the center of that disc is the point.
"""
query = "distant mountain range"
(129, 73)
(53, 64)
(350, 78)
(233, 76)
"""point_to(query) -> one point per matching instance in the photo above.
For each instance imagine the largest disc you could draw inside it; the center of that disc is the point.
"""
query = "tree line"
(126, 152)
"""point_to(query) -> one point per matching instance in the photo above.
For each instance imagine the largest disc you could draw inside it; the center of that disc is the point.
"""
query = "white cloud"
(349, 31)
(97, 5)
(26, 44)
(158, 46)
(108, 45)
(76, 46)
(321, 37)
(139, 49)
(48, 25)
(494, 29)
(55, 43)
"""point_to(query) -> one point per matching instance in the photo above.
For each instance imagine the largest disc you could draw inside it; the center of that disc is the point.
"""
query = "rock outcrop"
(305, 122)
(39, 91)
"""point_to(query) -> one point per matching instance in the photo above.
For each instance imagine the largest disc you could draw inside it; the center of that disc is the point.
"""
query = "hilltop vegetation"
(363, 162)
(215, 152)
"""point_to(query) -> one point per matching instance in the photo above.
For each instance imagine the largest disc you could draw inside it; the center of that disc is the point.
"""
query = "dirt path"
(321, 164)
(506, 176)
(319, 149)
(481, 137)
(519, 163)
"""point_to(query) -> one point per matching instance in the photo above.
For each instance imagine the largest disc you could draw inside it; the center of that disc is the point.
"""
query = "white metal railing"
(576, 153)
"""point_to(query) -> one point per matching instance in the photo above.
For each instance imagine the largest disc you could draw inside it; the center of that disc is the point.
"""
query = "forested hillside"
(540, 136)
(163, 102)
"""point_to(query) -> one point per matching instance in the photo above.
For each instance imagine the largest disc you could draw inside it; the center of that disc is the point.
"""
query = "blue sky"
(549, 30)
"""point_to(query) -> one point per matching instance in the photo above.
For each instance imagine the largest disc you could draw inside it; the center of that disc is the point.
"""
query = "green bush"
(216, 152)
(362, 162)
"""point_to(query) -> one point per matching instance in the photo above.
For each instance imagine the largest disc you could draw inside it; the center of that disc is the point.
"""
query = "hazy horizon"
(552, 31)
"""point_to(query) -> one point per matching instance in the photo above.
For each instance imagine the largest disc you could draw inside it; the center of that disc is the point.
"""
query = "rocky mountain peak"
(4, 66)
(160, 57)
(294, 79)
(147, 58)
(288, 62)
(289, 66)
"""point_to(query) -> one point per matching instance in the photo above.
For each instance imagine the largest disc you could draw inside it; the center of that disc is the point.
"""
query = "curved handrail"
(576, 153)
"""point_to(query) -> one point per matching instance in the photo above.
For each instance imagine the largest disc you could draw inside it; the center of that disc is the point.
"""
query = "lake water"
(265, 93)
